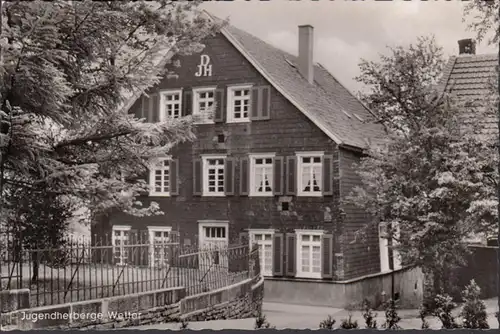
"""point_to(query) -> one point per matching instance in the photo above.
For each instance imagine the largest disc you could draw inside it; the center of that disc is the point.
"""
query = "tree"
(435, 177)
(39, 219)
(486, 20)
(68, 69)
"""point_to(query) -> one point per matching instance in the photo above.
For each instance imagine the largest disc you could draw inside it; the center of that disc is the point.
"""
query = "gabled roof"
(327, 103)
(472, 78)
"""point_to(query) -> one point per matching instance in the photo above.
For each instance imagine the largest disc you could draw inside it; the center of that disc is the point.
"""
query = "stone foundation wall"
(240, 300)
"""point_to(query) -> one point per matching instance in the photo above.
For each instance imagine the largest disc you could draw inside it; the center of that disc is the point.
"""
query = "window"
(159, 177)
(238, 104)
(170, 104)
(213, 175)
(261, 175)
(213, 238)
(264, 240)
(159, 236)
(119, 240)
(310, 170)
(203, 102)
(389, 258)
(309, 253)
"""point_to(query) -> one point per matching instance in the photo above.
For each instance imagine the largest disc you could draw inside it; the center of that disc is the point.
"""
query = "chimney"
(467, 47)
(306, 45)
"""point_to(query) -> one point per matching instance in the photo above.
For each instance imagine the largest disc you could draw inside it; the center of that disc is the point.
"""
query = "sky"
(348, 31)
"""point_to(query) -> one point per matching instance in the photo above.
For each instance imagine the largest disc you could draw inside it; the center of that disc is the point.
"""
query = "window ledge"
(308, 276)
(159, 195)
(310, 195)
(238, 121)
(213, 195)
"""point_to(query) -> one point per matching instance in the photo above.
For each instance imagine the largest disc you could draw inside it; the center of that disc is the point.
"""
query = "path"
(308, 317)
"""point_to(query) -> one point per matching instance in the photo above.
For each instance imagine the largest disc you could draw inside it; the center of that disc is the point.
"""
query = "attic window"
(290, 62)
(358, 117)
(346, 113)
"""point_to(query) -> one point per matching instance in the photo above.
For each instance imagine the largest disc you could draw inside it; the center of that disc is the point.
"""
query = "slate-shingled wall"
(286, 132)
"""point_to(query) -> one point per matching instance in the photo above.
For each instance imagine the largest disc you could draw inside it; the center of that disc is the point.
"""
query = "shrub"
(184, 324)
(474, 310)
(327, 323)
(444, 306)
(422, 314)
(261, 321)
(369, 315)
(349, 323)
(391, 315)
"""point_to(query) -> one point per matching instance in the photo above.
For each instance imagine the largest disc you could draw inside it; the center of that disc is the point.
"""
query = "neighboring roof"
(327, 103)
(472, 78)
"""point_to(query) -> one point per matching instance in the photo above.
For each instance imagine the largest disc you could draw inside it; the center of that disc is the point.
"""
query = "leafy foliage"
(328, 323)
(391, 316)
(474, 310)
(261, 321)
(69, 69)
(485, 19)
(433, 182)
(443, 311)
(422, 312)
(349, 323)
(369, 315)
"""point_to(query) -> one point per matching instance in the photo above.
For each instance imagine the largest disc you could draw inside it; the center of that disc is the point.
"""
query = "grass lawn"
(92, 281)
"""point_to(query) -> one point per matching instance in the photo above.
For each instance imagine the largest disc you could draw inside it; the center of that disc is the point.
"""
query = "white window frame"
(121, 228)
(300, 166)
(230, 104)
(151, 233)
(261, 243)
(299, 242)
(163, 108)
(203, 118)
(205, 192)
(253, 168)
(152, 177)
(384, 248)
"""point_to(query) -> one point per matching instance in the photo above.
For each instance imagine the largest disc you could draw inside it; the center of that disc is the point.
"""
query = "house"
(270, 165)
(473, 77)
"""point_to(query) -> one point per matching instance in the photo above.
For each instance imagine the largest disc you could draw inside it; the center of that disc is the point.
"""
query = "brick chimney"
(467, 46)
(306, 46)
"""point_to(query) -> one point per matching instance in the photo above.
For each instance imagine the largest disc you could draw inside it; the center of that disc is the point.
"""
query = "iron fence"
(83, 270)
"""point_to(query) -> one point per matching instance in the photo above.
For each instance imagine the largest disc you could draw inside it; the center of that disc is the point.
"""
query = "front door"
(159, 244)
(213, 246)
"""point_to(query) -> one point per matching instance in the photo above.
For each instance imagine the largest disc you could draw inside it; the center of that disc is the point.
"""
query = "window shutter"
(265, 102)
(219, 105)
(291, 254)
(254, 103)
(149, 111)
(197, 177)
(174, 177)
(143, 110)
(229, 170)
(144, 249)
(327, 175)
(187, 103)
(278, 175)
(244, 176)
(156, 108)
(132, 247)
(278, 254)
(327, 256)
(291, 178)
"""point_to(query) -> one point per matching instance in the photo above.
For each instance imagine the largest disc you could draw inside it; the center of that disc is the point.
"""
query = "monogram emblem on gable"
(204, 68)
